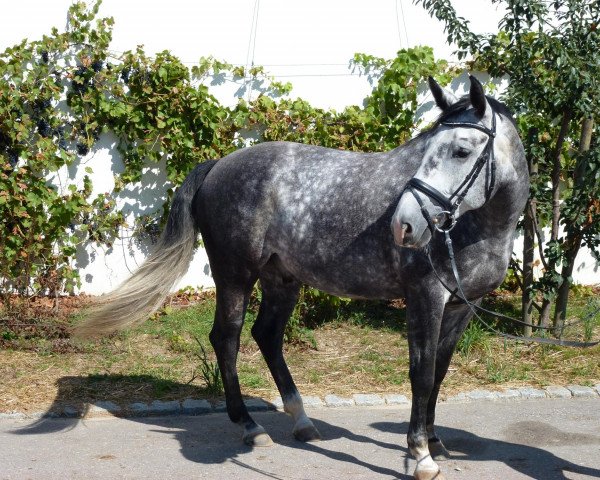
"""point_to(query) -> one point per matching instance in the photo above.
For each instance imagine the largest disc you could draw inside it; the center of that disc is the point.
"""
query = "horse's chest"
(482, 268)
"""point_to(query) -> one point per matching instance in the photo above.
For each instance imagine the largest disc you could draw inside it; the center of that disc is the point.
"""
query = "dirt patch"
(366, 353)
(22, 319)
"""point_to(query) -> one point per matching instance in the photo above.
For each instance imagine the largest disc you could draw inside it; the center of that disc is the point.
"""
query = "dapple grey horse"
(361, 225)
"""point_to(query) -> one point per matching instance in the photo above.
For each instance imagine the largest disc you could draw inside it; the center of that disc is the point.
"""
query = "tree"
(551, 52)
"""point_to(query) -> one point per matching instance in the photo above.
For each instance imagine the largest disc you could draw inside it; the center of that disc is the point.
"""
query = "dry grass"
(366, 353)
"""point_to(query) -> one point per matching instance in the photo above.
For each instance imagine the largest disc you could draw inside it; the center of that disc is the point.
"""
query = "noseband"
(451, 204)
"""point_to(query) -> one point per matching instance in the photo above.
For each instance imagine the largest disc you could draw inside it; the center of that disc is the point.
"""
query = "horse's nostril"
(402, 232)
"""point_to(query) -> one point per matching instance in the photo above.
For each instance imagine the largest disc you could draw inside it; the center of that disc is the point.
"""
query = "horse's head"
(459, 168)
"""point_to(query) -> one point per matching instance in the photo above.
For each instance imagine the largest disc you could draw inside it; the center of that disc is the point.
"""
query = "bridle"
(450, 205)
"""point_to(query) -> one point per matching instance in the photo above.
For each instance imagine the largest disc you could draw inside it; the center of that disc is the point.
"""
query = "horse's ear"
(477, 96)
(443, 98)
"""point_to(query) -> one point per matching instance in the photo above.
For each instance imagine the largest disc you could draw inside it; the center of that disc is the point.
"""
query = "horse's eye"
(461, 152)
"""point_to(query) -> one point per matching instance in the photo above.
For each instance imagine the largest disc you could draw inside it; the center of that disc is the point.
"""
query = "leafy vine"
(60, 94)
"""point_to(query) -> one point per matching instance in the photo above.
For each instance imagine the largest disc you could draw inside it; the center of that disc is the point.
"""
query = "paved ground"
(540, 439)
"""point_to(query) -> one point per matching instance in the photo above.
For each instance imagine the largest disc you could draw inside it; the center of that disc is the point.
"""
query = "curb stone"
(138, 409)
(555, 391)
(458, 398)
(13, 416)
(509, 394)
(367, 400)
(482, 395)
(530, 392)
(104, 407)
(581, 391)
(391, 399)
(335, 402)
(191, 406)
(71, 412)
(312, 401)
(158, 407)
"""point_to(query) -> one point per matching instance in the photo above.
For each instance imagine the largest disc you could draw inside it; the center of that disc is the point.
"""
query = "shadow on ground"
(204, 442)
(522, 456)
(213, 439)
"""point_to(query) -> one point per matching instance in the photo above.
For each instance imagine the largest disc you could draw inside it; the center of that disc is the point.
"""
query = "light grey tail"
(144, 292)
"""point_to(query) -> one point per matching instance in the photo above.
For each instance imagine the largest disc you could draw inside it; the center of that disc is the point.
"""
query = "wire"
(255, 30)
(252, 45)
(118, 53)
(403, 22)
(318, 75)
(306, 64)
(250, 37)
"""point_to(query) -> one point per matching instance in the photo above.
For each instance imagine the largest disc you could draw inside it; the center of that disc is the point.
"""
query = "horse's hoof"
(307, 433)
(257, 438)
(429, 475)
(438, 451)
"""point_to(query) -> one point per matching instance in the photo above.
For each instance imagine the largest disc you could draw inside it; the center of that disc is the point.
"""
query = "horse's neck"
(500, 215)
(408, 156)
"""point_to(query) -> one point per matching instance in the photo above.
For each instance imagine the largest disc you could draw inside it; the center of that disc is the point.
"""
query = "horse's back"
(292, 183)
(324, 212)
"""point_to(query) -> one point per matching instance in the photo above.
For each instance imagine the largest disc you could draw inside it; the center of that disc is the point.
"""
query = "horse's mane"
(462, 105)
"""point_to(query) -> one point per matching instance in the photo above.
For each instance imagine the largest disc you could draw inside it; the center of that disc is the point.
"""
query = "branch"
(538, 234)
(557, 170)
(515, 266)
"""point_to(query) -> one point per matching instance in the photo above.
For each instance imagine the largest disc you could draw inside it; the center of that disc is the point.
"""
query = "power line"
(119, 53)
(303, 64)
(316, 75)
(403, 22)
(252, 44)
(251, 36)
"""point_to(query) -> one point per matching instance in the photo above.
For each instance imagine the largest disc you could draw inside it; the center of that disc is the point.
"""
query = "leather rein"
(445, 221)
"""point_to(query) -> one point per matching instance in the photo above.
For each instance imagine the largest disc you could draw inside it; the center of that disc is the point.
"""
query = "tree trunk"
(529, 246)
(573, 240)
(556, 171)
(528, 249)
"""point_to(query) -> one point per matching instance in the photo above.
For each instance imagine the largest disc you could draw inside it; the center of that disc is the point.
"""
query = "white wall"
(307, 43)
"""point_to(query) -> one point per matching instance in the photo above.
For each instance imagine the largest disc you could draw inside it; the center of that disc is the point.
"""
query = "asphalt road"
(540, 439)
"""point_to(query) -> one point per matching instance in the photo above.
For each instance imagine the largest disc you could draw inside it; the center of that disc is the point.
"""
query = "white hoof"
(429, 475)
(257, 437)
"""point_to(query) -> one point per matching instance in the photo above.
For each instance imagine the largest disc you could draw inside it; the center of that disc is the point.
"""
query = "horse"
(358, 225)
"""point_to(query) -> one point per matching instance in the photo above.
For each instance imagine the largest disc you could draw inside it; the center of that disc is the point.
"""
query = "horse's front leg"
(424, 316)
(454, 322)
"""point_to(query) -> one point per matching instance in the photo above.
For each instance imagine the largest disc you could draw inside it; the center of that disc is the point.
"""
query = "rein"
(445, 225)
(463, 298)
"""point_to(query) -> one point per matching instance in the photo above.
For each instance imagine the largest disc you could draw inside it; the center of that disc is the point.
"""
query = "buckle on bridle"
(444, 221)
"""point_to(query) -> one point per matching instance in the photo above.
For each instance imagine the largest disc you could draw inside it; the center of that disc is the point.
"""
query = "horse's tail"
(144, 292)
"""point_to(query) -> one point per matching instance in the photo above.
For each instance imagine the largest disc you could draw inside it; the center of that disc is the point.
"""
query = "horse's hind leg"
(454, 322)
(233, 294)
(279, 296)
